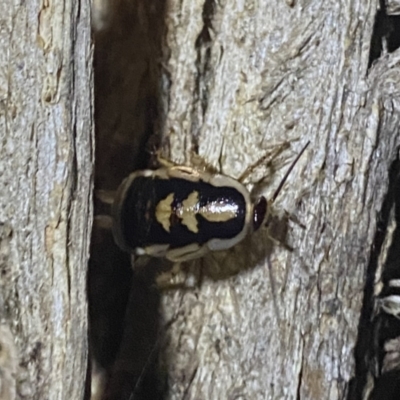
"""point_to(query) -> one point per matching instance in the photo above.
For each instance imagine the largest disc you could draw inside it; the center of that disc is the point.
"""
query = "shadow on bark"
(386, 35)
(123, 306)
(377, 327)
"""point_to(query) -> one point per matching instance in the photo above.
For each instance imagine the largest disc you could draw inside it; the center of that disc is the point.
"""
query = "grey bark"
(243, 77)
(240, 80)
(46, 168)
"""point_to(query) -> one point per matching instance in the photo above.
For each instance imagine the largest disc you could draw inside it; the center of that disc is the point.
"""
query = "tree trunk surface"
(46, 173)
(238, 81)
(242, 78)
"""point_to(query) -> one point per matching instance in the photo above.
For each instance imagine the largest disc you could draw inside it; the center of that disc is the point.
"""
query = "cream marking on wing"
(188, 210)
(219, 211)
(215, 211)
(164, 211)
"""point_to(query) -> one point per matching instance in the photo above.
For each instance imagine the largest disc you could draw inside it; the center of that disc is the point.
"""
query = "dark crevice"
(386, 327)
(372, 333)
(300, 381)
(135, 373)
(386, 34)
(123, 305)
(203, 62)
(387, 387)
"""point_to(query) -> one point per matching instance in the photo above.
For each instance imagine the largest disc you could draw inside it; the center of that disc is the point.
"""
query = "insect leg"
(269, 155)
(187, 253)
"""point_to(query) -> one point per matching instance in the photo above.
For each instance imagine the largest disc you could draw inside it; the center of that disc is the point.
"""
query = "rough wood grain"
(46, 163)
(243, 77)
(239, 79)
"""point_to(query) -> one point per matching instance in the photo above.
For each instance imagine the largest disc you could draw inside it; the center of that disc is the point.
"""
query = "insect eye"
(259, 211)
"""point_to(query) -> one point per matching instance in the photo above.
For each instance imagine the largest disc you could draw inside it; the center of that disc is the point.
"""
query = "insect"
(181, 213)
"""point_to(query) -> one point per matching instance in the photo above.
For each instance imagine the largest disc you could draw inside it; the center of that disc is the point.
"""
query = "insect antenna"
(288, 173)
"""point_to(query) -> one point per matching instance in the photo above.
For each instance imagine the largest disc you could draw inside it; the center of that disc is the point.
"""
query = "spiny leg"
(105, 196)
(103, 222)
(187, 253)
(277, 228)
(269, 155)
(291, 217)
(179, 256)
(281, 242)
(164, 162)
(180, 276)
(164, 279)
(103, 201)
(199, 163)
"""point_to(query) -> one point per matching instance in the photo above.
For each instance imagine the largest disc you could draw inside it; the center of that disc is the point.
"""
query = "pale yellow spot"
(190, 221)
(218, 211)
(164, 210)
(192, 202)
(188, 210)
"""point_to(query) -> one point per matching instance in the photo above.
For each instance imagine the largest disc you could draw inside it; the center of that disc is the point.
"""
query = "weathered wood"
(243, 77)
(238, 79)
(46, 162)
